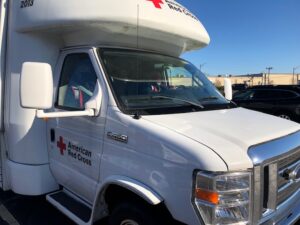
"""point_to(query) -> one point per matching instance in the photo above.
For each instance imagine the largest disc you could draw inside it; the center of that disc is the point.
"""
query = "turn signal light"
(208, 196)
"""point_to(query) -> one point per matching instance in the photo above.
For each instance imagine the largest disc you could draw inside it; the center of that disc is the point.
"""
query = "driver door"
(75, 143)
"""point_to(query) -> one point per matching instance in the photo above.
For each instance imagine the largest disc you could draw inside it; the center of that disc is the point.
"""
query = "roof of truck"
(280, 87)
(159, 25)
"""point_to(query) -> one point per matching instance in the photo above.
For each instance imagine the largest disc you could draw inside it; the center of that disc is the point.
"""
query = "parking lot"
(22, 210)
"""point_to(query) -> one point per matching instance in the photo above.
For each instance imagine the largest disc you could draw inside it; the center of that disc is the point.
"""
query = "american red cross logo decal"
(61, 145)
(157, 3)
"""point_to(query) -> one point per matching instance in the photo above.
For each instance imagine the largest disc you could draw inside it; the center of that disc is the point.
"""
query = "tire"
(133, 214)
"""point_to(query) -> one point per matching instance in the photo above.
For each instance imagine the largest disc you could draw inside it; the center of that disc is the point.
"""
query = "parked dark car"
(239, 87)
(282, 101)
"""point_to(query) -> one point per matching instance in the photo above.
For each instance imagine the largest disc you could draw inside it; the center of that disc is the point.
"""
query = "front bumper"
(286, 214)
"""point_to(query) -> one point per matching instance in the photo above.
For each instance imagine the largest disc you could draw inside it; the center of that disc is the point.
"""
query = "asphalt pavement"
(24, 210)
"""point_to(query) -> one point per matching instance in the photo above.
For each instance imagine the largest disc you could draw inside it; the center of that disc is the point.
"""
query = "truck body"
(101, 115)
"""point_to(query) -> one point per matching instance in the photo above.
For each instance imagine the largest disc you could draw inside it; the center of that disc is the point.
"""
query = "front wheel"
(133, 214)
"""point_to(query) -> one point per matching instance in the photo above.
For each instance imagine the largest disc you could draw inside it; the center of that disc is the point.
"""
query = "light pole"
(269, 71)
(263, 73)
(201, 66)
(294, 70)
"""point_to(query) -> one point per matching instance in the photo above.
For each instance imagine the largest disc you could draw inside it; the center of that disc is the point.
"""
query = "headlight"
(223, 198)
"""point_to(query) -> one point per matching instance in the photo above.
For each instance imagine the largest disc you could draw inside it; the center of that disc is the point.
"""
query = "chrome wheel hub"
(285, 117)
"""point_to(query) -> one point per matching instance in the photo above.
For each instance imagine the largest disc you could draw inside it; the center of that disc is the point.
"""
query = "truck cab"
(102, 116)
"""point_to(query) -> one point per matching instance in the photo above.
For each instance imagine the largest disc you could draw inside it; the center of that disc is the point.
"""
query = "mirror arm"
(44, 115)
(228, 89)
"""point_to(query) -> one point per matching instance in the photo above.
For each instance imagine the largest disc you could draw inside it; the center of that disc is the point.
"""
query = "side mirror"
(228, 89)
(36, 92)
(36, 86)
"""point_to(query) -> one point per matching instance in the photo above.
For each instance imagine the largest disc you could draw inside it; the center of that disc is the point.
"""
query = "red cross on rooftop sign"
(61, 145)
(157, 3)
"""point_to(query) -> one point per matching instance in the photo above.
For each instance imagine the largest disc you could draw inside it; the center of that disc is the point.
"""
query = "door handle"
(52, 135)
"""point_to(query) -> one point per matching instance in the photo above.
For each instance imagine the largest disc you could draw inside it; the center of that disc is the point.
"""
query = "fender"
(140, 189)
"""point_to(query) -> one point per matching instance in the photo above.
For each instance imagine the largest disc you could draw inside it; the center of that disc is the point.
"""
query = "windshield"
(148, 82)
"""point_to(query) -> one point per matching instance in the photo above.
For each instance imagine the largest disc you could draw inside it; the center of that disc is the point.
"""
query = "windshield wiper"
(178, 99)
(209, 98)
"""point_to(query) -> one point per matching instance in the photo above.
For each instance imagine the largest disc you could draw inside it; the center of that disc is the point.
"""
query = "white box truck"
(101, 115)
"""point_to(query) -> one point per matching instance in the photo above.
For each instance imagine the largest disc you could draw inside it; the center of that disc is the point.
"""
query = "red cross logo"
(157, 3)
(61, 145)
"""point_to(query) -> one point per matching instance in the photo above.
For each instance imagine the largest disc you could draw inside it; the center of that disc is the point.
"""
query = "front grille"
(276, 183)
(286, 187)
(273, 189)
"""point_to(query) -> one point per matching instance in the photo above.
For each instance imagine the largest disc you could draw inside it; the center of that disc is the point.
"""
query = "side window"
(77, 82)
(286, 94)
(179, 77)
(261, 94)
(244, 95)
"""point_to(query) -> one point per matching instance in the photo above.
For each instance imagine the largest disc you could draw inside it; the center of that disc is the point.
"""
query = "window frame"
(59, 72)
(122, 107)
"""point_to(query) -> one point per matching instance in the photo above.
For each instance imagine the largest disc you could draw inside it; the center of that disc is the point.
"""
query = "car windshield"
(147, 81)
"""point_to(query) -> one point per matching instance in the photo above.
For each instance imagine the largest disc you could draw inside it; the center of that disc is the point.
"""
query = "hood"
(228, 132)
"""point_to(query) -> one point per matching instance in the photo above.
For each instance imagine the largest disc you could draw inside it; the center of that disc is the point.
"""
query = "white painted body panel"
(160, 158)
(35, 179)
(85, 132)
(229, 133)
(134, 23)
(163, 151)
(25, 135)
(21, 125)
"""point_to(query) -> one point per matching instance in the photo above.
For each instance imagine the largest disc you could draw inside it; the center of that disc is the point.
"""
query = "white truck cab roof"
(153, 25)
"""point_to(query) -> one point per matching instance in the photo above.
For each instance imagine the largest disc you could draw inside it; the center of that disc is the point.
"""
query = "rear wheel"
(134, 214)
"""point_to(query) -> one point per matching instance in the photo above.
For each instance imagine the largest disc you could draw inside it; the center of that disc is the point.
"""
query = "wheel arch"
(287, 112)
(101, 207)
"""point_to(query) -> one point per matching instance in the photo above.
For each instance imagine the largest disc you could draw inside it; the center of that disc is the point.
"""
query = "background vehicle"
(282, 101)
(101, 115)
(239, 87)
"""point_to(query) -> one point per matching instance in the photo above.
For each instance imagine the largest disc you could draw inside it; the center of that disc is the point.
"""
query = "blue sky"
(247, 35)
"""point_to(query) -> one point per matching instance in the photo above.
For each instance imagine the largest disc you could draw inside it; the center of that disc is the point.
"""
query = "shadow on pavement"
(30, 211)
